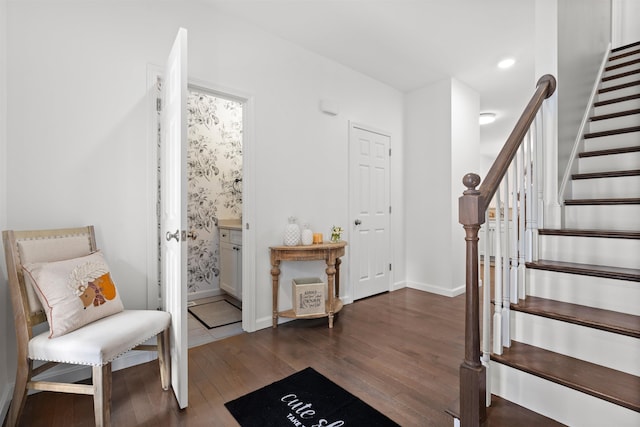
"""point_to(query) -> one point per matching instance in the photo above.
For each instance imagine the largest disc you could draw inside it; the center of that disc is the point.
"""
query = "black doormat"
(304, 399)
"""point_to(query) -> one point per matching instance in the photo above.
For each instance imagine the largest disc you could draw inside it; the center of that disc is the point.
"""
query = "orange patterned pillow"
(74, 292)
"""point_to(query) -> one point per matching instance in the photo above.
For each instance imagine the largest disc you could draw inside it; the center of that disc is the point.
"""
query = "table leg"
(275, 279)
(337, 281)
(331, 273)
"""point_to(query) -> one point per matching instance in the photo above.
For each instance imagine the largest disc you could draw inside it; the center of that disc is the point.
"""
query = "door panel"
(369, 211)
(173, 217)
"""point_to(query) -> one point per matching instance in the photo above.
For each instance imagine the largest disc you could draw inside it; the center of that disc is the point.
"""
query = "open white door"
(173, 216)
(369, 211)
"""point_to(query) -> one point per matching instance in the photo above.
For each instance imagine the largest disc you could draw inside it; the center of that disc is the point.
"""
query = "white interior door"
(173, 217)
(369, 261)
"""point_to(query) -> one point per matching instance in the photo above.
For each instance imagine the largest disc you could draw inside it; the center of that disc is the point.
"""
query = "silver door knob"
(357, 222)
(175, 235)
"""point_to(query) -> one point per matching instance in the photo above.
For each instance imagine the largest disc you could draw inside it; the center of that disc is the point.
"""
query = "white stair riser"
(597, 292)
(630, 139)
(602, 217)
(612, 162)
(560, 403)
(627, 121)
(620, 80)
(597, 188)
(615, 351)
(591, 250)
(627, 91)
(615, 107)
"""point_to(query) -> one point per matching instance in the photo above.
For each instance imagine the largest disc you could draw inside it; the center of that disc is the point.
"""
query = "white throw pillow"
(74, 292)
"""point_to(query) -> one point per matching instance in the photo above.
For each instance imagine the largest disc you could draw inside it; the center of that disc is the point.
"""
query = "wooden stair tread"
(612, 201)
(618, 87)
(622, 65)
(616, 234)
(616, 100)
(608, 272)
(626, 46)
(597, 318)
(504, 413)
(605, 383)
(611, 132)
(611, 174)
(615, 115)
(621, 75)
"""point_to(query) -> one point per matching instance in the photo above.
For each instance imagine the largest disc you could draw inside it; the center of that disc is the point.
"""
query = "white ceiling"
(408, 44)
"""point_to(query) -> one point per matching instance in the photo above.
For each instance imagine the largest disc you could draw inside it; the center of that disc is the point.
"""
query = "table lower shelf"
(337, 306)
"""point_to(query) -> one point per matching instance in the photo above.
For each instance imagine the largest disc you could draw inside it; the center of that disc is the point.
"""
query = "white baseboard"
(437, 289)
(398, 285)
(204, 294)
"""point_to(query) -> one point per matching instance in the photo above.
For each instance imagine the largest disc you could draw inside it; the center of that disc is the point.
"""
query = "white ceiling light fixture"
(506, 63)
(486, 118)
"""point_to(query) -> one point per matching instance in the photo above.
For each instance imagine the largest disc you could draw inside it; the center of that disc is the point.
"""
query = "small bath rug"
(304, 399)
(217, 313)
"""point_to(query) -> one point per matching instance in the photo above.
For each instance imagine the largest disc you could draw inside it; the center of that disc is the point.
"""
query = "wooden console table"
(331, 253)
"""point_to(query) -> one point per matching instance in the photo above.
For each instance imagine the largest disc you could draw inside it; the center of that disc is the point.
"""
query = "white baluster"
(534, 187)
(486, 308)
(521, 219)
(506, 265)
(513, 222)
(497, 256)
(528, 196)
(539, 156)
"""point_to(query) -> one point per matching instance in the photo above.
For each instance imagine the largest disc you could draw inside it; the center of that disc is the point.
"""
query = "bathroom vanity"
(230, 233)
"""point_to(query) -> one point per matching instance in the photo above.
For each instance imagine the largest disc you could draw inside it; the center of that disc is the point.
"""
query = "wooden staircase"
(575, 349)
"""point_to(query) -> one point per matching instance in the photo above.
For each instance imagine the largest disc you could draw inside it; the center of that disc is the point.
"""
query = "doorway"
(217, 157)
(214, 200)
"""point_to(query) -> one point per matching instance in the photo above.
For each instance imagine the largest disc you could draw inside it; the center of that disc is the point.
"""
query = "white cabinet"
(231, 262)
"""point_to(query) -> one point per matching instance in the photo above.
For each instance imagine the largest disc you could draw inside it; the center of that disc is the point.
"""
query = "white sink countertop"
(230, 224)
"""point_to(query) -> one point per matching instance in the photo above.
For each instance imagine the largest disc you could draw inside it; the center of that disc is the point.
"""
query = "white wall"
(625, 22)
(584, 32)
(5, 308)
(465, 158)
(442, 140)
(78, 123)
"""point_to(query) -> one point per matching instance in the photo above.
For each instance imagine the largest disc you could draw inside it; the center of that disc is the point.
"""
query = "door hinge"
(389, 266)
(158, 105)
(389, 152)
(389, 209)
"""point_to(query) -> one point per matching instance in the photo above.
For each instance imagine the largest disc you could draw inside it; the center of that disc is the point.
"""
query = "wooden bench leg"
(23, 376)
(102, 395)
(164, 358)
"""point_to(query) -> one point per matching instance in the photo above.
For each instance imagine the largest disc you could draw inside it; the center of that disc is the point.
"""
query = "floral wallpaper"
(214, 181)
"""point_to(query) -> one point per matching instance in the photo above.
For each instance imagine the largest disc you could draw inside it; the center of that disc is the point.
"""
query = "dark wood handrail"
(472, 207)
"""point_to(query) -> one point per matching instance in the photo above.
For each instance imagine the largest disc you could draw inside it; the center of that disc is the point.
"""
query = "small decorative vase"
(292, 233)
(307, 235)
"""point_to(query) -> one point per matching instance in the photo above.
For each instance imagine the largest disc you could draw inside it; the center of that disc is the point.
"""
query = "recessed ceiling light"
(506, 63)
(486, 118)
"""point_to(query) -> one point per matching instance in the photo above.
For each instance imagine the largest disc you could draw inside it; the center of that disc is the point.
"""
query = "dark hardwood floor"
(399, 352)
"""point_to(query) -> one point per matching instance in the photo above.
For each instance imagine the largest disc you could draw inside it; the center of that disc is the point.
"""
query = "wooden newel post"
(472, 373)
